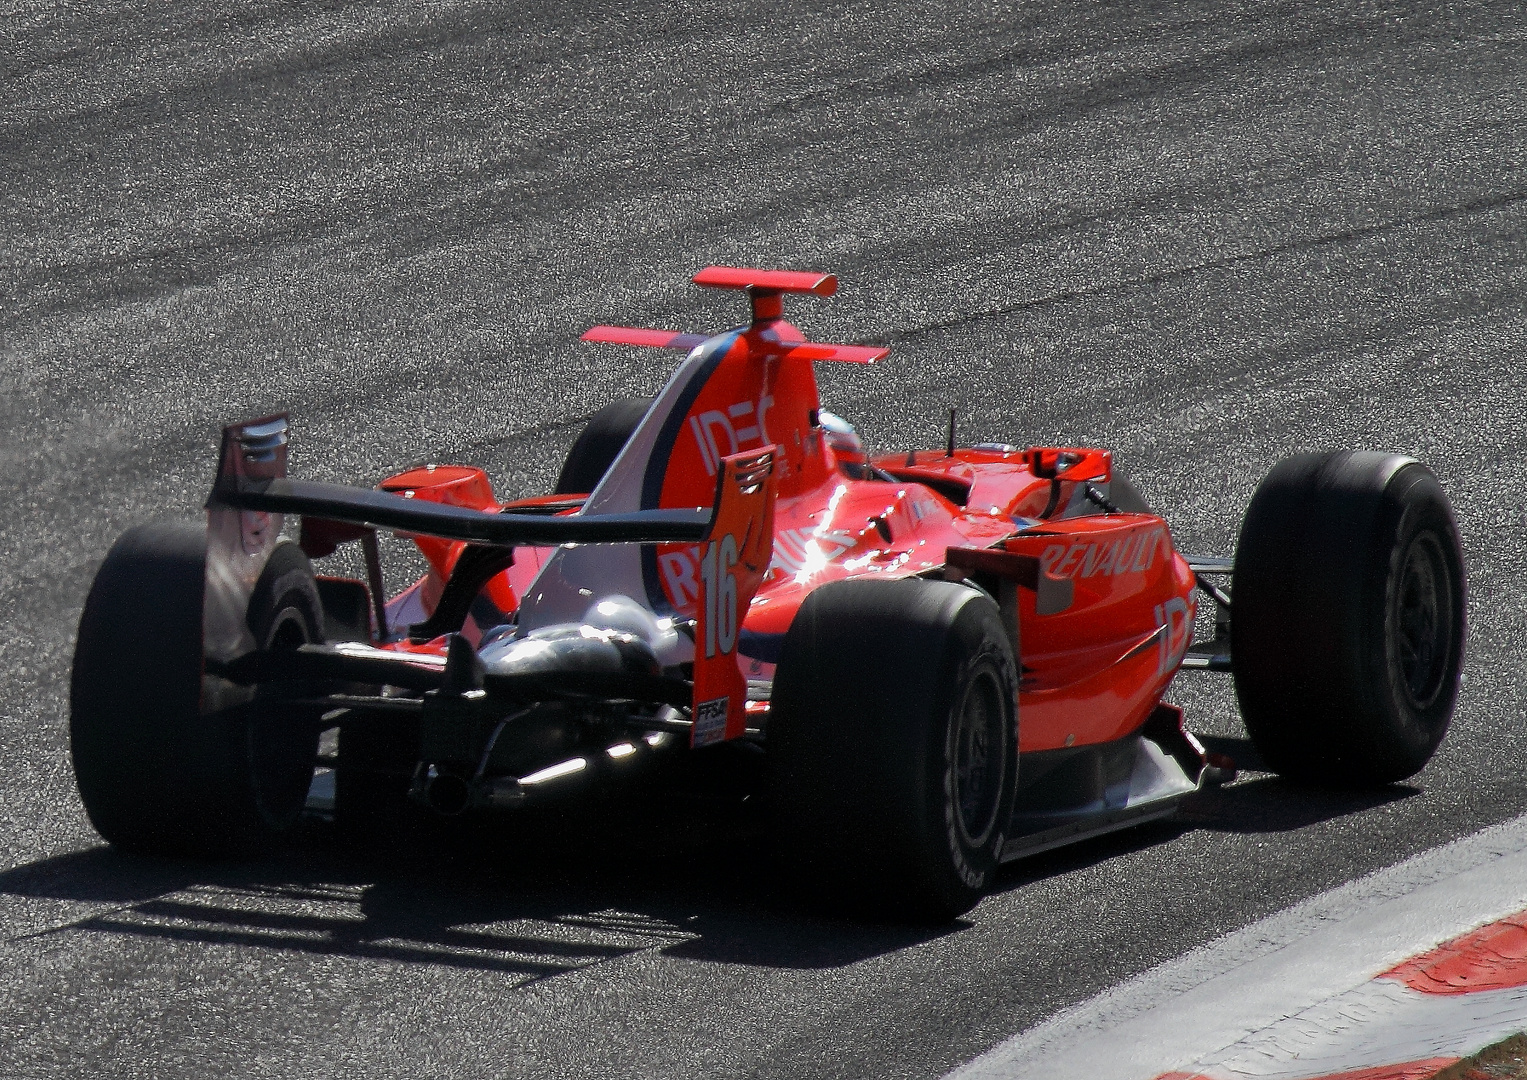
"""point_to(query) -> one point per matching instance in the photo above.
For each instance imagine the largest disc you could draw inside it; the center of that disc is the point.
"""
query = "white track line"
(1198, 1007)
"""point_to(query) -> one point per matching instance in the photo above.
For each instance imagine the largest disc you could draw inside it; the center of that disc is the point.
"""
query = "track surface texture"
(1206, 235)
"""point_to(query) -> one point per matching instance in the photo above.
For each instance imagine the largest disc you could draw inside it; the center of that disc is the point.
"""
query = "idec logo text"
(720, 433)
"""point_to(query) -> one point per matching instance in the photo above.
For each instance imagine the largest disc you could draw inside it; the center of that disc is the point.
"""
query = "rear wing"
(765, 288)
(252, 494)
(251, 477)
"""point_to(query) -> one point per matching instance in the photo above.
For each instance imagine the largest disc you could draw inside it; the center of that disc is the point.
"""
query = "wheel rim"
(978, 758)
(1422, 621)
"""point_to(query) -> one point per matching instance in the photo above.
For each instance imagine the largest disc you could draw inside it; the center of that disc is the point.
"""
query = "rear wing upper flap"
(792, 281)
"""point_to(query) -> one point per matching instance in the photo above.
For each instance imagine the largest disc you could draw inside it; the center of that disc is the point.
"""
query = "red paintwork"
(1094, 672)
(738, 546)
(457, 485)
(853, 354)
(1494, 957)
(1407, 1070)
(1091, 673)
(733, 277)
(654, 339)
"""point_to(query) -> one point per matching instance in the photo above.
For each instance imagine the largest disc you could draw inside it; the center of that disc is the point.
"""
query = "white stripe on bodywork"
(573, 577)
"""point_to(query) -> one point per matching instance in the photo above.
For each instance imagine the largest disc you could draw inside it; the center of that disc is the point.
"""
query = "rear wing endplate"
(733, 561)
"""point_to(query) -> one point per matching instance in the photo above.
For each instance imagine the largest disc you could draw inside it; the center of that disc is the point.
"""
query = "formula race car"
(946, 658)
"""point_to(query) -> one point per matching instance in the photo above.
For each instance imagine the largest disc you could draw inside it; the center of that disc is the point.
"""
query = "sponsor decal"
(720, 433)
(1132, 553)
(710, 722)
(680, 570)
(720, 596)
(796, 551)
(1175, 620)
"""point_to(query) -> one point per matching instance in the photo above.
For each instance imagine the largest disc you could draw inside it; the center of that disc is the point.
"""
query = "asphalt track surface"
(1204, 234)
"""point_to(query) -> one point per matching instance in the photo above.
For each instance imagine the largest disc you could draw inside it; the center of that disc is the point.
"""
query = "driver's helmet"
(847, 448)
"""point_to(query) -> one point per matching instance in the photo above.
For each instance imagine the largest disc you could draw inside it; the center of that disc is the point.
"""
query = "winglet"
(853, 354)
(775, 281)
(655, 339)
(766, 289)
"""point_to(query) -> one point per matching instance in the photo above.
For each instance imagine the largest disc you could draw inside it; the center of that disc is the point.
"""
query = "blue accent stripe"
(662, 450)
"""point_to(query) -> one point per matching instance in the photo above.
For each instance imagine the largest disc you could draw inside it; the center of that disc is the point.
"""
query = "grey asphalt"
(1203, 234)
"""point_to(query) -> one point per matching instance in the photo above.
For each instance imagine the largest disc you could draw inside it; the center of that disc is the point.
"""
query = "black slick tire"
(372, 777)
(156, 775)
(600, 443)
(892, 748)
(1348, 617)
(1124, 495)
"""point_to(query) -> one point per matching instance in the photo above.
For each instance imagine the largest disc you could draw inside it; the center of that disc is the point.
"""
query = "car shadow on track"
(526, 903)
(1259, 803)
(539, 896)
(1268, 803)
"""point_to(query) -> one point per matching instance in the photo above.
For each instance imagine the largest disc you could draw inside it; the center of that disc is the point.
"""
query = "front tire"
(599, 444)
(157, 775)
(1348, 619)
(892, 751)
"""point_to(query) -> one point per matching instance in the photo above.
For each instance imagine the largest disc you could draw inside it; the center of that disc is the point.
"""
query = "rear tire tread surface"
(600, 443)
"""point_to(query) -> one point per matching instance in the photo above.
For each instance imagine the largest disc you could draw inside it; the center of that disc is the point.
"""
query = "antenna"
(950, 451)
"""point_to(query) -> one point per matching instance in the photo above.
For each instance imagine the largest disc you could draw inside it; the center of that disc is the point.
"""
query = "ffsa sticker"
(710, 722)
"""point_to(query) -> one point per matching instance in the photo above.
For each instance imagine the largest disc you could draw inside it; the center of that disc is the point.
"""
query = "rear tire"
(156, 775)
(600, 443)
(372, 777)
(1348, 618)
(1123, 494)
(892, 752)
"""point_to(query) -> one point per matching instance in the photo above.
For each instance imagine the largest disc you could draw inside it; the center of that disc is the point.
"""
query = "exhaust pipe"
(450, 794)
(507, 792)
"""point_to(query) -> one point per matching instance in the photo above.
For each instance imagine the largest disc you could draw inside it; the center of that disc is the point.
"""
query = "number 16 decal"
(720, 595)
(735, 555)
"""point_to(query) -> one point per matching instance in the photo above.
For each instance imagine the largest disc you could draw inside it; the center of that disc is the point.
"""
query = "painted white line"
(1219, 995)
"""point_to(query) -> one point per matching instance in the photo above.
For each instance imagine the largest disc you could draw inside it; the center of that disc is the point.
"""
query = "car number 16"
(720, 595)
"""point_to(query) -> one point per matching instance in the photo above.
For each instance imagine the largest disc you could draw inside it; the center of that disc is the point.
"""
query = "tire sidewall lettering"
(974, 866)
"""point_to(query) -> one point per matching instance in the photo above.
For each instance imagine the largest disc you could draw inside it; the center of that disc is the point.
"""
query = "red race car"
(947, 658)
